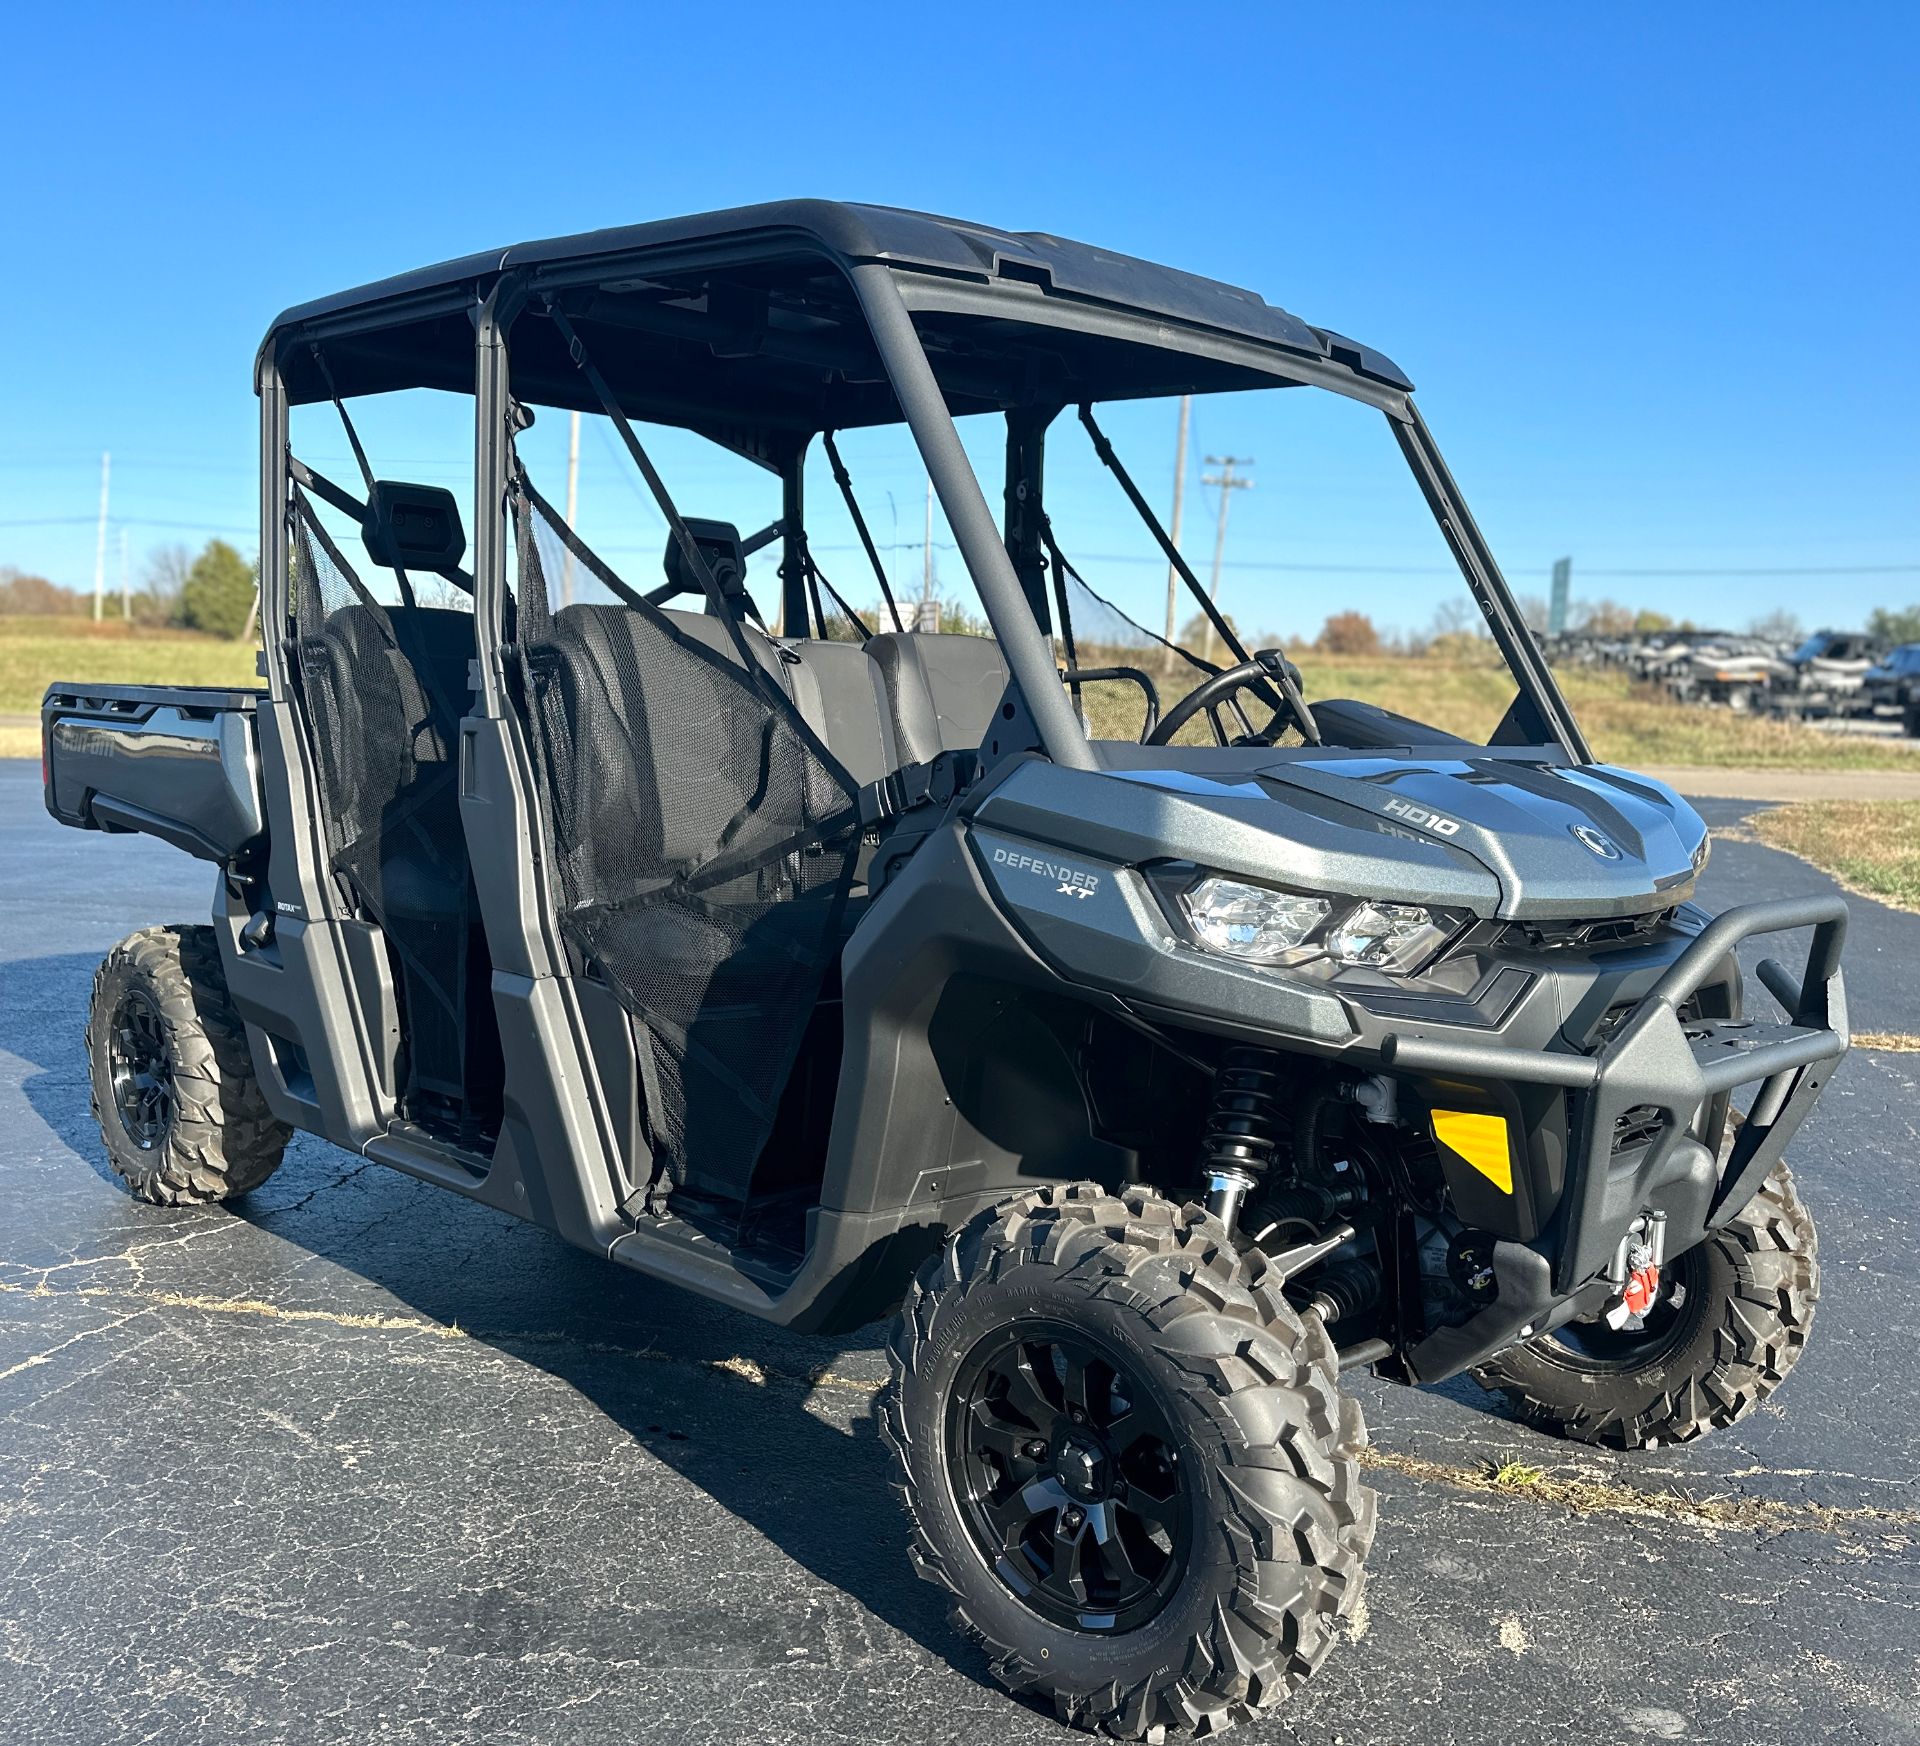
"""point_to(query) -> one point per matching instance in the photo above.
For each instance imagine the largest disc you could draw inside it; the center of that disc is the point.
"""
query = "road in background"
(361, 1460)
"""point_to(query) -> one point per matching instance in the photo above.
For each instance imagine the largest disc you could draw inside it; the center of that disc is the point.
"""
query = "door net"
(383, 720)
(703, 842)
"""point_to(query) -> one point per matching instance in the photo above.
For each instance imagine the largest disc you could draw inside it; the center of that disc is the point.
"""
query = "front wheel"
(1129, 1461)
(1730, 1323)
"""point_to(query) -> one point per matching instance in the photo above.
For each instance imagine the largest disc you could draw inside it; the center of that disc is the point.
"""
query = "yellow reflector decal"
(1481, 1140)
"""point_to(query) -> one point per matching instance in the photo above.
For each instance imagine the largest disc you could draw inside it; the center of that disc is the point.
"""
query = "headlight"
(1251, 921)
(1386, 936)
(1294, 930)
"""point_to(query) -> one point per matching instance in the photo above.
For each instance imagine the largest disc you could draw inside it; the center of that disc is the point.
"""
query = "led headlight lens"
(1386, 936)
(1251, 921)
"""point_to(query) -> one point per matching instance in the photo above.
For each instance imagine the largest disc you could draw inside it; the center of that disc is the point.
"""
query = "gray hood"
(1503, 837)
(1563, 841)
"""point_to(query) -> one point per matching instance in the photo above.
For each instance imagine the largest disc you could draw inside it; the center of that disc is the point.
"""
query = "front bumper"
(1658, 1061)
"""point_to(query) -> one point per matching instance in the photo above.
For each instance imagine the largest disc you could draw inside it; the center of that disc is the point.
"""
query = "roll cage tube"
(1028, 654)
(1490, 592)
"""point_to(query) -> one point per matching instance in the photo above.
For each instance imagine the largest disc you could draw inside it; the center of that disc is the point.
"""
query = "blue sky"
(1653, 269)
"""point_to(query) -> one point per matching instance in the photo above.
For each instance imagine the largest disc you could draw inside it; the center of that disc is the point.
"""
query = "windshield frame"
(919, 294)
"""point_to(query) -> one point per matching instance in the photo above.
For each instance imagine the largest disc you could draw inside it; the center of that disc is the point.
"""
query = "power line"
(129, 521)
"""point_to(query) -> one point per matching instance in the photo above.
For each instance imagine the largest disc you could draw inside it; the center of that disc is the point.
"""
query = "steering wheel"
(1269, 671)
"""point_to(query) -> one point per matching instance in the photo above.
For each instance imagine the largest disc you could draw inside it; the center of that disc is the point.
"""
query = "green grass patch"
(34, 652)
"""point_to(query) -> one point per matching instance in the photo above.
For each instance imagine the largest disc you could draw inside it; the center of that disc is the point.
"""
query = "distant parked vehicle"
(1736, 671)
(1663, 654)
(1829, 670)
(1894, 684)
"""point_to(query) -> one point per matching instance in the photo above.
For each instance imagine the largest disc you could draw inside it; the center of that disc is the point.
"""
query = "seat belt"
(844, 480)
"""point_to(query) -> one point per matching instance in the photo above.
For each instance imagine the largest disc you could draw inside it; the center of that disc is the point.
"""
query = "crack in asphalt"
(1505, 1482)
(1594, 1497)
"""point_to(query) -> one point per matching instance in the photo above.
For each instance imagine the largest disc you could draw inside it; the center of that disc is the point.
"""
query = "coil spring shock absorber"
(1242, 1128)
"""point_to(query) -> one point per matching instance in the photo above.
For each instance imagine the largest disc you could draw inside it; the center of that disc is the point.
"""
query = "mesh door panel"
(704, 848)
(385, 732)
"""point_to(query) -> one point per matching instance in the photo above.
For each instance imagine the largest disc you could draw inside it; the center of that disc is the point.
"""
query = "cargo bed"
(179, 762)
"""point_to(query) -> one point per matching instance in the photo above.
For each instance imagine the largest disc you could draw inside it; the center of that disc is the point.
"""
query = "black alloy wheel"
(1066, 1472)
(140, 1065)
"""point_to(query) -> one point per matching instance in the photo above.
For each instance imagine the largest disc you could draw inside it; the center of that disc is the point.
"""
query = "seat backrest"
(835, 689)
(395, 703)
(643, 735)
(938, 692)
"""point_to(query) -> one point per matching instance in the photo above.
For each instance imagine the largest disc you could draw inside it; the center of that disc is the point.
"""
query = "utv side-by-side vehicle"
(827, 967)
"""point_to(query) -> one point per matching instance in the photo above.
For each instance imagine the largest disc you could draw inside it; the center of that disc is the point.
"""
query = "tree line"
(211, 592)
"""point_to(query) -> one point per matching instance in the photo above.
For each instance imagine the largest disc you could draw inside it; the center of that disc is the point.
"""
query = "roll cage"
(766, 328)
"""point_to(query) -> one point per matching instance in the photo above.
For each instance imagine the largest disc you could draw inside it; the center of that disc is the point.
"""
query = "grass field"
(36, 651)
(1464, 697)
(1870, 846)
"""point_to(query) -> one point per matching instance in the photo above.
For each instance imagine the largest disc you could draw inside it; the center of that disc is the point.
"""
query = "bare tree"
(1778, 626)
(162, 576)
(34, 596)
(1607, 618)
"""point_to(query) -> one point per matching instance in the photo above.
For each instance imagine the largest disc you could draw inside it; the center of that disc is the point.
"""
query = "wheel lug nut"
(1073, 1520)
(1035, 1450)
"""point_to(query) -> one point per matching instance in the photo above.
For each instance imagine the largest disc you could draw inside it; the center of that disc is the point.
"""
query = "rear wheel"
(174, 1091)
(1731, 1321)
(1129, 1461)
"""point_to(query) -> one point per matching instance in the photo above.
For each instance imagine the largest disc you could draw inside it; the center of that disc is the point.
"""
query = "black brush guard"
(1656, 1060)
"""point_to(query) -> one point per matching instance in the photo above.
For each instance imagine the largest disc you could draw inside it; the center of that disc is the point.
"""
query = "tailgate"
(178, 762)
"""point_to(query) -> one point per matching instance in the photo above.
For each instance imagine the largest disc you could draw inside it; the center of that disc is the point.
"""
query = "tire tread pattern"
(1758, 1334)
(224, 1141)
(1261, 1377)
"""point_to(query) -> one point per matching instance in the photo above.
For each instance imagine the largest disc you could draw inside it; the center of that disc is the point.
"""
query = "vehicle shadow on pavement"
(778, 1429)
(43, 1018)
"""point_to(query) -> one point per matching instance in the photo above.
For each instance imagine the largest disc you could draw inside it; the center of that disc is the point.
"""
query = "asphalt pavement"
(358, 1460)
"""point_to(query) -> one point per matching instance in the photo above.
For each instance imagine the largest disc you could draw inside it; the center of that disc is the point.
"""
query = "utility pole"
(1179, 504)
(126, 587)
(1227, 485)
(927, 608)
(100, 543)
(573, 503)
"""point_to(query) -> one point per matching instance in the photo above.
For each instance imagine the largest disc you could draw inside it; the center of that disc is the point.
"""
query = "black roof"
(411, 335)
